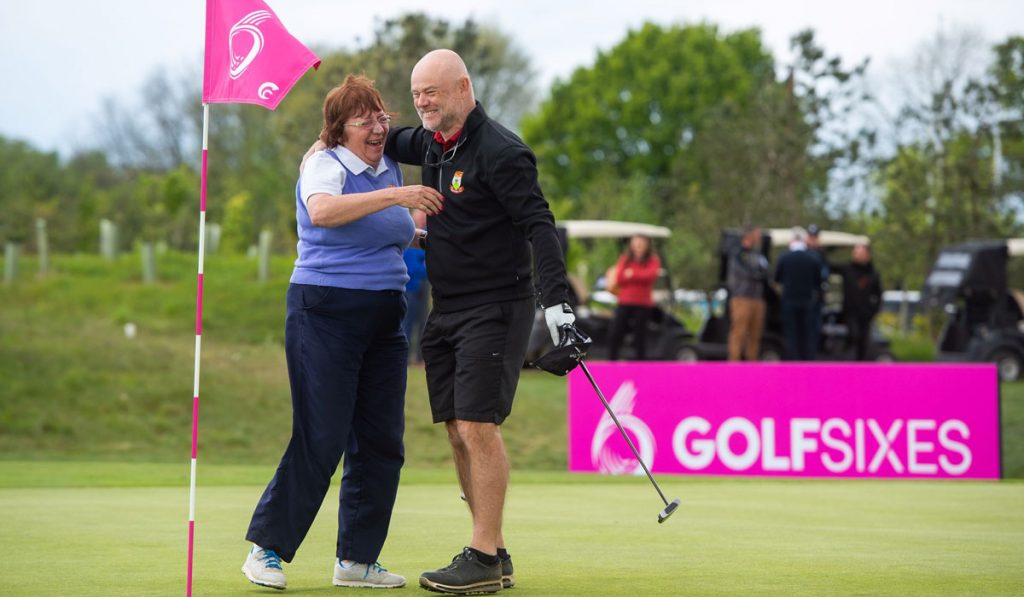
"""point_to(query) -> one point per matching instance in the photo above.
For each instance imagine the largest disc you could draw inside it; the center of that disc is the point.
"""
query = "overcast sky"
(61, 58)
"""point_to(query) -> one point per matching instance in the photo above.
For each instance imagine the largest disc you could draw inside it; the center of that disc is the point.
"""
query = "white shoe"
(263, 567)
(372, 576)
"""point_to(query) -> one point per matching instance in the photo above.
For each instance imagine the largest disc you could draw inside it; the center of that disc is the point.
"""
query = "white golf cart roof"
(781, 237)
(611, 229)
(1015, 246)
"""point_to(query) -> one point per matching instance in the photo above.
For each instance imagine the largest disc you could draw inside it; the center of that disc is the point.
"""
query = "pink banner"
(250, 57)
(795, 420)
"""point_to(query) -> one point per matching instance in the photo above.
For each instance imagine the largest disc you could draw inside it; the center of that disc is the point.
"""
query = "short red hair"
(355, 96)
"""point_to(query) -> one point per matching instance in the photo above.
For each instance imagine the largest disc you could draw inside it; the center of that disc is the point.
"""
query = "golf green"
(569, 535)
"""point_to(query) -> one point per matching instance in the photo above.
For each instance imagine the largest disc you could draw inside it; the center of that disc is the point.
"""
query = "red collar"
(446, 145)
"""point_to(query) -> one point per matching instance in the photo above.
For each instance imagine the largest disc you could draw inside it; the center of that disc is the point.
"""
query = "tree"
(27, 179)
(158, 132)
(749, 165)
(641, 104)
(943, 184)
(1006, 89)
(698, 126)
(831, 97)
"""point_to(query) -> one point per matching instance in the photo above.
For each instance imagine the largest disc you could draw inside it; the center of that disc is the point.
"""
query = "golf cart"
(986, 318)
(666, 335)
(712, 342)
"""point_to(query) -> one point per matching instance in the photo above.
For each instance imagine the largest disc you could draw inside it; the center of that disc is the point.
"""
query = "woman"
(634, 275)
(344, 345)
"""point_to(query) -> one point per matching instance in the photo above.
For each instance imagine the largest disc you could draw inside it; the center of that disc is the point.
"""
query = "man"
(478, 265)
(862, 298)
(818, 306)
(799, 272)
(748, 272)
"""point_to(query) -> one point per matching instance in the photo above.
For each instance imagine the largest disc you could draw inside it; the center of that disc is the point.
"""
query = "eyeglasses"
(446, 158)
(384, 121)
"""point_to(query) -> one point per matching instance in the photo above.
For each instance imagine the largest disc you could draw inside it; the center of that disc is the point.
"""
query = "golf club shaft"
(625, 436)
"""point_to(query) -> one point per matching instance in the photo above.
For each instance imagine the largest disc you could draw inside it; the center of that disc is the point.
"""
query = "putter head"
(572, 347)
(669, 509)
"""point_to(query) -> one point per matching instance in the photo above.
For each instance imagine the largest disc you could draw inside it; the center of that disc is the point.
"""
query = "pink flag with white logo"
(250, 57)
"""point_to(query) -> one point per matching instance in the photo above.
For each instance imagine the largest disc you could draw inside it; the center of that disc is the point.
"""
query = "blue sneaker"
(263, 567)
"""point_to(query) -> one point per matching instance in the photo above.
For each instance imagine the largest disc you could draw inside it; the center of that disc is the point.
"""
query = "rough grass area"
(569, 535)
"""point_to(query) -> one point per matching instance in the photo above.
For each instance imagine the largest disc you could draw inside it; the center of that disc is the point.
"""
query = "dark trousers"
(860, 335)
(626, 317)
(415, 317)
(347, 367)
(817, 310)
(800, 322)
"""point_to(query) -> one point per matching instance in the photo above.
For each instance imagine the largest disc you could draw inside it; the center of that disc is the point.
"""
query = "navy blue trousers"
(800, 327)
(346, 358)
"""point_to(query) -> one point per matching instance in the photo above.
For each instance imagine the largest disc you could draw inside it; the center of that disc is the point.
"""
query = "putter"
(569, 354)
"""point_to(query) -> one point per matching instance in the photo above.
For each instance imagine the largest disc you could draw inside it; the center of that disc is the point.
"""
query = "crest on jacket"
(456, 186)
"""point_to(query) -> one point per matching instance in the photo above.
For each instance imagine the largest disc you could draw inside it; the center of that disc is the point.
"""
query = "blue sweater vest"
(365, 254)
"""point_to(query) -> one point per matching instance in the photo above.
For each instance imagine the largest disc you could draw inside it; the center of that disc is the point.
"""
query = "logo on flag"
(250, 56)
(248, 29)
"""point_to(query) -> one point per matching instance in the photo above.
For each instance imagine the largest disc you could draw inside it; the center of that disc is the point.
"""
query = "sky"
(61, 58)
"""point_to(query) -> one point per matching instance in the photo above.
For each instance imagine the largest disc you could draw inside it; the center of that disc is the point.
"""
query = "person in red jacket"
(633, 280)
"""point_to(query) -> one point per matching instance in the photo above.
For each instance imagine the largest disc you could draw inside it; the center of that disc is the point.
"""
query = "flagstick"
(199, 330)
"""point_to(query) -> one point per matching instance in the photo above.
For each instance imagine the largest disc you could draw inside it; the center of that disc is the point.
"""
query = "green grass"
(912, 348)
(569, 535)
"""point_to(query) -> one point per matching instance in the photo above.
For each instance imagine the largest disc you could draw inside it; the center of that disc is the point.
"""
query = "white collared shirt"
(323, 174)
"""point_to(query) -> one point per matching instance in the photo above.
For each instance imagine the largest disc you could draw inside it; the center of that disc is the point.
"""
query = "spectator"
(814, 245)
(416, 293)
(746, 277)
(634, 276)
(799, 272)
(862, 298)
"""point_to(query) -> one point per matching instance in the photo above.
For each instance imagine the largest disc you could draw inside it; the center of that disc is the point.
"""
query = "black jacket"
(479, 246)
(748, 272)
(801, 274)
(862, 290)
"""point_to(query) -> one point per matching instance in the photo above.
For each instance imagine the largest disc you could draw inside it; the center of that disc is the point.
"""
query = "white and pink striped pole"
(199, 336)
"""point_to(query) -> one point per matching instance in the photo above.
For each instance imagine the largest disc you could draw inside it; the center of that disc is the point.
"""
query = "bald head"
(444, 64)
(442, 91)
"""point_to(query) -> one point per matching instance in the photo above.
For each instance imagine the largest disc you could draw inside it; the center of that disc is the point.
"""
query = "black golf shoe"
(508, 579)
(466, 575)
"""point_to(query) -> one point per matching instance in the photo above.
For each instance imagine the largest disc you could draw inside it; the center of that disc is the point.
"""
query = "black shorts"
(473, 358)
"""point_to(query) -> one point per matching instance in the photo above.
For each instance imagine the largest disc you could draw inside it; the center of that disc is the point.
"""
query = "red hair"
(355, 96)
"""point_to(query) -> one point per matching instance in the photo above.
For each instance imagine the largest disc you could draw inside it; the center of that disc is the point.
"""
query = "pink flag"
(250, 57)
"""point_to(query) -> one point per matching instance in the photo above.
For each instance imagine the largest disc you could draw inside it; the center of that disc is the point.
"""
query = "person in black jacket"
(862, 298)
(478, 252)
(799, 271)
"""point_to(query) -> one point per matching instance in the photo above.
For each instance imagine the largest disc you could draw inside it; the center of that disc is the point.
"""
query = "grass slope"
(569, 535)
(74, 387)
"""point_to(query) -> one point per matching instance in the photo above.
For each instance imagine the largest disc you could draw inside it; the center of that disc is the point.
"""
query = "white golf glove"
(557, 316)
